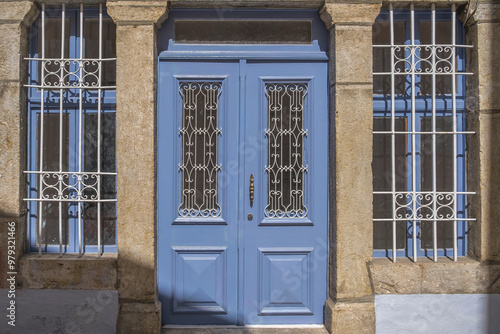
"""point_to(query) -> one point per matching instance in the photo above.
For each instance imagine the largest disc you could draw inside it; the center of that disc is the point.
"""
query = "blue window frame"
(71, 167)
(419, 149)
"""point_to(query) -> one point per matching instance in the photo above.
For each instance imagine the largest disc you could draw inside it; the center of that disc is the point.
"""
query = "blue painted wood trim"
(242, 54)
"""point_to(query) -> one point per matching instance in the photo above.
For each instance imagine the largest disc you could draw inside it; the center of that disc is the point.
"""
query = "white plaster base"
(439, 314)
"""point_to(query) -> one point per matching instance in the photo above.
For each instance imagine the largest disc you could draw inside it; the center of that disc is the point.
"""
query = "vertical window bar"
(80, 119)
(99, 251)
(454, 106)
(434, 170)
(413, 51)
(393, 135)
(61, 111)
(40, 189)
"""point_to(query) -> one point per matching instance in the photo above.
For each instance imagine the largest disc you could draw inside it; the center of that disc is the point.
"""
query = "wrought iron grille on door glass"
(71, 132)
(420, 195)
(200, 134)
(286, 134)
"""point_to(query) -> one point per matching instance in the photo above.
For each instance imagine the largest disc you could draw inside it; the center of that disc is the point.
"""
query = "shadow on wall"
(60, 311)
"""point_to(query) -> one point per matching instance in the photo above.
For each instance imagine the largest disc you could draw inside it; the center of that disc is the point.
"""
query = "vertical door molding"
(350, 307)
(135, 155)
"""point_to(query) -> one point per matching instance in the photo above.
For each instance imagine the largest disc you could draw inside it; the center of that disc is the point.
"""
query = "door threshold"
(247, 329)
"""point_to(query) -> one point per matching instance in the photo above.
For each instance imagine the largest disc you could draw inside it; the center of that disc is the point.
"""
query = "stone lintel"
(70, 271)
(429, 277)
(313, 4)
(356, 315)
(135, 12)
(350, 13)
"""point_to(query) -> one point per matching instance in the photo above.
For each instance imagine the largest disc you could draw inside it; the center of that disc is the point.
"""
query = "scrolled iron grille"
(72, 173)
(200, 133)
(286, 137)
(431, 199)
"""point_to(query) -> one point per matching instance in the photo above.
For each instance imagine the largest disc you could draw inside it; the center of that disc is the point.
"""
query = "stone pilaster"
(350, 307)
(135, 150)
(15, 20)
(483, 104)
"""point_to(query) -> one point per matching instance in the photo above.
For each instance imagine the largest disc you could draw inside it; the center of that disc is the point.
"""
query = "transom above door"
(242, 186)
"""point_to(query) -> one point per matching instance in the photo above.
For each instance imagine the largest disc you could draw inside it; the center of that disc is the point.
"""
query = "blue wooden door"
(242, 192)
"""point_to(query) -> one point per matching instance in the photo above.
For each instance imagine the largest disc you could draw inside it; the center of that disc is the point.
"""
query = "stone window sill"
(68, 272)
(427, 277)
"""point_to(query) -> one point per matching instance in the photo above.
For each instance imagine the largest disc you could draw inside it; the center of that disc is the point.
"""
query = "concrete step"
(243, 330)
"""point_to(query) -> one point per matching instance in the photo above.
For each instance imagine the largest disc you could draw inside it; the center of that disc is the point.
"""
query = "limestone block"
(488, 73)
(350, 316)
(489, 157)
(17, 12)
(427, 277)
(353, 225)
(68, 272)
(353, 54)
(139, 318)
(10, 57)
(135, 138)
(11, 141)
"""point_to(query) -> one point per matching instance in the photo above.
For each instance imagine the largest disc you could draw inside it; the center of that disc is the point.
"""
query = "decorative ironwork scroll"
(286, 136)
(199, 132)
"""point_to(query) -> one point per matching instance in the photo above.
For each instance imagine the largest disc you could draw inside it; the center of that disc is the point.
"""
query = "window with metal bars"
(419, 181)
(71, 132)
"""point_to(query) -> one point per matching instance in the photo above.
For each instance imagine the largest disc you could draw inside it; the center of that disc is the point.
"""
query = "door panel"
(197, 207)
(219, 123)
(286, 242)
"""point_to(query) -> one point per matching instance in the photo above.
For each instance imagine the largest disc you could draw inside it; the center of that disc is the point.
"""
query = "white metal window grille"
(286, 136)
(419, 134)
(71, 132)
(200, 134)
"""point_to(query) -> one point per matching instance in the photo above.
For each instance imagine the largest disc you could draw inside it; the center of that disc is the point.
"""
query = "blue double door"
(242, 192)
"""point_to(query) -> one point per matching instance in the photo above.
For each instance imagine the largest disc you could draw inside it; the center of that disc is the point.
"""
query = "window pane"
(91, 36)
(382, 155)
(382, 57)
(199, 132)
(53, 34)
(50, 182)
(285, 134)
(444, 155)
(108, 182)
(382, 235)
(243, 31)
(382, 181)
(444, 180)
(442, 61)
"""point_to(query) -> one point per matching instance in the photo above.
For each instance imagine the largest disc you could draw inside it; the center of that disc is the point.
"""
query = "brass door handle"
(251, 190)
